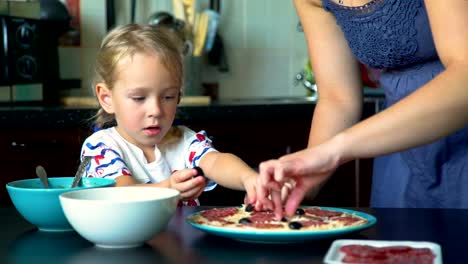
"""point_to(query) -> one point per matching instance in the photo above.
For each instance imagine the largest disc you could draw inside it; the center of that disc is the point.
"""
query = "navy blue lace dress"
(394, 35)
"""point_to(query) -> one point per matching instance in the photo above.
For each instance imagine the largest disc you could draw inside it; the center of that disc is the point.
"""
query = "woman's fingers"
(301, 188)
(286, 189)
(273, 170)
(294, 200)
(269, 184)
(277, 203)
(271, 197)
(298, 173)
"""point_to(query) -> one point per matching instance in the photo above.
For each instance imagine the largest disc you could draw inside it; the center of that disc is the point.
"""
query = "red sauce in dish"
(390, 254)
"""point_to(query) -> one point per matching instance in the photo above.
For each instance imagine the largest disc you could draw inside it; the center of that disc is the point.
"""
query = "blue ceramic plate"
(286, 236)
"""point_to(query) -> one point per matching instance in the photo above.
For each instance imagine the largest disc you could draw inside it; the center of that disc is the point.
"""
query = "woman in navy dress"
(420, 141)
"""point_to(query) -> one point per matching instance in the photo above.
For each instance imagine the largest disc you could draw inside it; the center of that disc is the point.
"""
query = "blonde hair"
(125, 41)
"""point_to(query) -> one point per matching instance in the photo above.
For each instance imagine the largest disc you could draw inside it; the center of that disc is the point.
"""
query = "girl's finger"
(182, 175)
(262, 193)
(251, 193)
(200, 191)
(190, 184)
(191, 194)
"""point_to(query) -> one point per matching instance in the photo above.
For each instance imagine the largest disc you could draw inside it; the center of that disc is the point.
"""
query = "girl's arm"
(227, 170)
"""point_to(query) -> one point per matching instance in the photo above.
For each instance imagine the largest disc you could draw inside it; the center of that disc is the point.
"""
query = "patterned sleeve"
(106, 159)
(199, 145)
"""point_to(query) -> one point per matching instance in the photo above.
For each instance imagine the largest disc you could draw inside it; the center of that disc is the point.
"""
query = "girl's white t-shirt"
(113, 156)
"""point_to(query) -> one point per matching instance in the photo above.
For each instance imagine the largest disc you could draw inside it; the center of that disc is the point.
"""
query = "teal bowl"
(41, 207)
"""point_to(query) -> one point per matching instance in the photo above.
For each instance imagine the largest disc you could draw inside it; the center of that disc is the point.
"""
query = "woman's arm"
(336, 71)
(435, 110)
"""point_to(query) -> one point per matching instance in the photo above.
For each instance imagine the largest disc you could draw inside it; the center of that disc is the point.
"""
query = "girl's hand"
(189, 186)
(250, 183)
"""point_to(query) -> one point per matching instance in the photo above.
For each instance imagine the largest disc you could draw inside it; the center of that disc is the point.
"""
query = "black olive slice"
(299, 211)
(245, 220)
(199, 171)
(249, 208)
(295, 225)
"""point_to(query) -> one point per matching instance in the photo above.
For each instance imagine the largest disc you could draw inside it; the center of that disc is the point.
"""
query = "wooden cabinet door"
(255, 141)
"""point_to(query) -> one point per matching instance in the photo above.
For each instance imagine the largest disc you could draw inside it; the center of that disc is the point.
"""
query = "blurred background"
(239, 49)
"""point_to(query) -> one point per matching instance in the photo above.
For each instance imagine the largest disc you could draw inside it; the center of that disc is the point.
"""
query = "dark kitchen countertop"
(20, 242)
(60, 117)
(233, 109)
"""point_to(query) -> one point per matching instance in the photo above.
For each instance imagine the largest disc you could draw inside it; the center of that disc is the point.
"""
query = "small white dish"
(334, 256)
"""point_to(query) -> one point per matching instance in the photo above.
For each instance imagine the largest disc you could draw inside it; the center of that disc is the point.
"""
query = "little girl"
(138, 82)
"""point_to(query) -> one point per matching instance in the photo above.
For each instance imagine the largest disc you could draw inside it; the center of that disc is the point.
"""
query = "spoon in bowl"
(41, 173)
(80, 171)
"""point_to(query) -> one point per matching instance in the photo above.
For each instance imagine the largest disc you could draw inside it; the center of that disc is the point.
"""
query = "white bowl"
(119, 217)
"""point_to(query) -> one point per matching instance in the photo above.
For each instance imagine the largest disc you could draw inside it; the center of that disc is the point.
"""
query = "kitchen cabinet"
(255, 141)
(57, 150)
(254, 131)
(258, 139)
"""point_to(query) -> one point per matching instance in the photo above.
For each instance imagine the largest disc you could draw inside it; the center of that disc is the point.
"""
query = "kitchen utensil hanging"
(110, 14)
(201, 28)
(213, 20)
(217, 54)
(132, 11)
(189, 11)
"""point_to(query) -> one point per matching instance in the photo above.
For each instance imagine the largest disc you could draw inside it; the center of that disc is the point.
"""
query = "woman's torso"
(386, 34)
(395, 36)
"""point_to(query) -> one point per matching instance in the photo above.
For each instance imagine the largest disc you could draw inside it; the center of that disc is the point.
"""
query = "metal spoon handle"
(79, 172)
(41, 173)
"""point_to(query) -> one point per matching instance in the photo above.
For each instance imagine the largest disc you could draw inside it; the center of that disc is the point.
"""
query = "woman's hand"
(189, 186)
(285, 191)
(307, 169)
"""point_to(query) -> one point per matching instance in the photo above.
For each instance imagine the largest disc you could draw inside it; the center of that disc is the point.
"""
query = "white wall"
(264, 49)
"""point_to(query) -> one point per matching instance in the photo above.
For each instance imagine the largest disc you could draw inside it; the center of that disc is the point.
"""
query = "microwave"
(29, 70)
